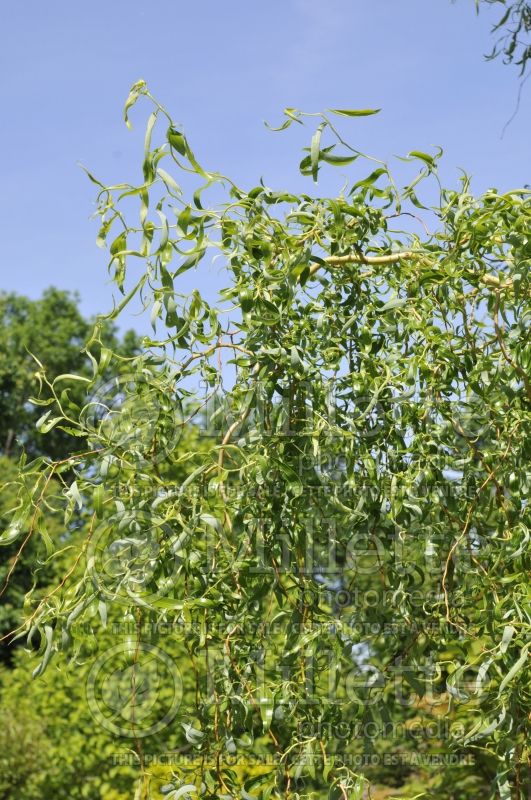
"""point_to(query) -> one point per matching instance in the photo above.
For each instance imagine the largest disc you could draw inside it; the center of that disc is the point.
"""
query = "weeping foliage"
(343, 539)
(511, 32)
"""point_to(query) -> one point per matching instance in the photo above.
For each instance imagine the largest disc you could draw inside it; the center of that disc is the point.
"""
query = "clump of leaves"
(512, 31)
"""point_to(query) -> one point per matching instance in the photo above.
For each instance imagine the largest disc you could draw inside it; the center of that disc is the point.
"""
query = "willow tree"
(352, 531)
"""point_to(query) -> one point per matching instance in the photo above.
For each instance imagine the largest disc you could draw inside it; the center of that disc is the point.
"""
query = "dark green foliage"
(53, 331)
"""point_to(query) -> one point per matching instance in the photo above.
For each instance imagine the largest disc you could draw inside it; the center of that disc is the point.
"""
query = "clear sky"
(221, 68)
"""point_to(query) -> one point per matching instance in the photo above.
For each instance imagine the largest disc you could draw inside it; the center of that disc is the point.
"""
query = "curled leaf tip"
(136, 90)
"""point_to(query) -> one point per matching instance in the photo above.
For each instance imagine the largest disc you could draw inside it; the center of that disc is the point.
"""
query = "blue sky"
(221, 69)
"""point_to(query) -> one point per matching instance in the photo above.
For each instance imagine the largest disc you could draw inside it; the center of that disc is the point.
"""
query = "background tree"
(54, 331)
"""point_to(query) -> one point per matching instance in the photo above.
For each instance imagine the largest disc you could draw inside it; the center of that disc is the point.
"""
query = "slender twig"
(359, 258)
(455, 545)
(394, 258)
(59, 585)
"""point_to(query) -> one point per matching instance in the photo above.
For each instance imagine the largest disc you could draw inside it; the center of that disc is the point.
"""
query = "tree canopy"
(349, 543)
